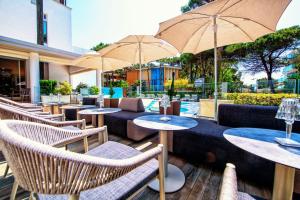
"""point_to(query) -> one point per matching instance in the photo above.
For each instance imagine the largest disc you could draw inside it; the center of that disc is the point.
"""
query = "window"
(45, 29)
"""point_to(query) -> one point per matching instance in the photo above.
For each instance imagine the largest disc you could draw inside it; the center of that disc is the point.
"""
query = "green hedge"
(258, 99)
(47, 86)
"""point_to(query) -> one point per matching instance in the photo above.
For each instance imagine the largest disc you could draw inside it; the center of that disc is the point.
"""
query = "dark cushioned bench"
(121, 123)
(205, 142)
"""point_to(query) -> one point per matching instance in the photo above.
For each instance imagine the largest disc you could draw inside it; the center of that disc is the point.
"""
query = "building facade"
(154, 76)
(35, 43)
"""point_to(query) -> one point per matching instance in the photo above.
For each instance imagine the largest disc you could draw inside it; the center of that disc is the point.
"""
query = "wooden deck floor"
(202, 182)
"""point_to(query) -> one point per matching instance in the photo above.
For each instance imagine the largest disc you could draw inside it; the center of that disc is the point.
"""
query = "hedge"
(257, 98)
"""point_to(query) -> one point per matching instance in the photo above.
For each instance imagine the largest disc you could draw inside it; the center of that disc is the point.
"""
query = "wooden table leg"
(94, 121)
(77, 114)
(52, 109)
(283, 182)
(100, 120)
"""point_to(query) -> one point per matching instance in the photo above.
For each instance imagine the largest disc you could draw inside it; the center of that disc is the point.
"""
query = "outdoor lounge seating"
(205, 142)
(121, 123)
(109, 171)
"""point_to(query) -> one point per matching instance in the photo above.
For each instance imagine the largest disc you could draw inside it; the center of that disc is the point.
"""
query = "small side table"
(100, 112)
(76, 107)
(175, 178)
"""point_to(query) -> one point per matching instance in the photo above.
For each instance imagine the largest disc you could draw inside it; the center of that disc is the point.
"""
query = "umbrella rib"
(184, 20)
(166, 49)
(223, 6)
(228, 16)
(221, 11)
(205, 29)
(242, 30)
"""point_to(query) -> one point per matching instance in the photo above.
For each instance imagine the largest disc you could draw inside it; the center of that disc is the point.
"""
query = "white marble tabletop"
(76, 106)
(261, 143)
(98, 111)
(176, 122)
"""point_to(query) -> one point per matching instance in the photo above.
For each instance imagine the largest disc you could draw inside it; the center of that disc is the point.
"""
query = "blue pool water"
(187, 108)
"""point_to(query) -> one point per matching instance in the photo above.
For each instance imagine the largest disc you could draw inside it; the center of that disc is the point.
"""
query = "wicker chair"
(21, 105)
(54, 173)
(7, 112)
(229, 189)
(46, 115)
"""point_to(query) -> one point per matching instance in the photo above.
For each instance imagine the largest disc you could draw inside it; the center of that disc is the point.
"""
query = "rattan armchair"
(229, 189)
(8, 112)
(46, 115)
(20, 105)
(44, 169)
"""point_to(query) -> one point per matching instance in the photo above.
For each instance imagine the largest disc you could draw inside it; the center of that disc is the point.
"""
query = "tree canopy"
(99, 46)
(192, 4)
(268, 53)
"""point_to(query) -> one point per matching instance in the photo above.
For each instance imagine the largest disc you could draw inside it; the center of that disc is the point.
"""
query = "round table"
(76, 107)
(98, 112)
(53, 104)
(261, 142)
(175, 178)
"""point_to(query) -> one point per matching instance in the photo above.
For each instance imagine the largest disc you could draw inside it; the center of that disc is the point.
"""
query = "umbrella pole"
(140, 61)
(216, 67)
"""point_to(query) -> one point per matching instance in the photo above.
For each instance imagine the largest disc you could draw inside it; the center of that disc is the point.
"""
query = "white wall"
(59, 72)
(18, 20)
(59, 25)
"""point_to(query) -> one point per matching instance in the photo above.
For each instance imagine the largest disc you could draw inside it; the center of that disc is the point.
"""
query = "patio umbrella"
(94, 60)
(220, 23)
(139, 49)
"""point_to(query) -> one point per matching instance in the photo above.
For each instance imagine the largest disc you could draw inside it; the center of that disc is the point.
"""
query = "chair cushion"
(122, 187)
(132, 104)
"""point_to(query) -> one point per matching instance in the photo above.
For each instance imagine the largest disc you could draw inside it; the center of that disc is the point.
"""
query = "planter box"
(174, 109)
(207, 107)
(111, 103)
(63, 99)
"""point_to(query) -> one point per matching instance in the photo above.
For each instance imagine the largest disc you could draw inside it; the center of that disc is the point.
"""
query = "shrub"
(81, 85)
(120, 83)
(178, 83)
(94, 90)
(257, 98)
(111, 91)
(48, 86)
(64, 88)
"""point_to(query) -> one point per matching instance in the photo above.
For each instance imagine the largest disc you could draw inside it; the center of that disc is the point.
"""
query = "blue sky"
(95, 21)
(108, 21)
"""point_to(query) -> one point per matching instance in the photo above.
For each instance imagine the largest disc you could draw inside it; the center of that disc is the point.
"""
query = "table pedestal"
(100, 121)
(283, 182)
(175, 178)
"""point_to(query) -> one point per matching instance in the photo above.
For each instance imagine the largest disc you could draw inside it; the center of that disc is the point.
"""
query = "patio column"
(34, 73)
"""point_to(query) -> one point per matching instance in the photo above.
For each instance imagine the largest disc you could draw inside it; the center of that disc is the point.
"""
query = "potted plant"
(111, 102)
(94, 90)
(174, 109)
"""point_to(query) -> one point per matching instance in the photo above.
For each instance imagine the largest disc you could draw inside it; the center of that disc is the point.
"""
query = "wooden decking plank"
(211, 190)
(201, 184)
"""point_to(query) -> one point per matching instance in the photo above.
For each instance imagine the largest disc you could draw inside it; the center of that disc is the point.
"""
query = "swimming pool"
(186, 109)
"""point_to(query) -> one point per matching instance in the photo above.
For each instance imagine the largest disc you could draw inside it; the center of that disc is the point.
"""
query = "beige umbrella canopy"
(139, 49)
(94, 60)
(221, 23)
